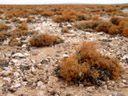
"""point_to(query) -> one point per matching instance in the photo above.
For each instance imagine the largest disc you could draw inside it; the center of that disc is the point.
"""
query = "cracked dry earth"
(31, 72)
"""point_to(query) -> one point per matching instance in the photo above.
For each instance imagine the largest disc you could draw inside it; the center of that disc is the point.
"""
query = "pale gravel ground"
(40, 79)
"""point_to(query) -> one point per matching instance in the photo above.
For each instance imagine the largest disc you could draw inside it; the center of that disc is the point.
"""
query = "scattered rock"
(110, 87)
(70, 35)
(121, 85)
(90, 89)
(16, 74)
(106, 40)
(6, 73)
(44, 61)
(4, 63)
(23, 68)
(40, 83)
(6, 42)
(125, 57)
(21, 71)
(65, 55)
(33, 69)
(26, 54)
(18, 55)
(69, 26)
(52, 80)
(105, 87)
(17, 85)
(7, 79)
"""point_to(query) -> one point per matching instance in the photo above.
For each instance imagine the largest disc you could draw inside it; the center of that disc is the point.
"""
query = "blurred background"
(63, 1)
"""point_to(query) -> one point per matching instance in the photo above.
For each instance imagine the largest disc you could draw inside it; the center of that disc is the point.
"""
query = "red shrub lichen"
(4, 27)
(42, 40)
(113, 29)
(96, 18)
(23, 26)
(29, 20)
(89, 66)
(3, 35)
(125, 32)
(58, 19)
(115, 20)
(103, 26)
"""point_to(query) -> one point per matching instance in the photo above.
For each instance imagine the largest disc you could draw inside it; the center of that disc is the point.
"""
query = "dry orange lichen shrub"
(4, 27)
(115, 20)
(70, 16)
(89, 67)
(21, 30)
(116, 26)
(42, 40)
(125, 32)
(3, 35)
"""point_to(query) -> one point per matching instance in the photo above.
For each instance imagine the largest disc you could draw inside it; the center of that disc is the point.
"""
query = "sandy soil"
(40, 79)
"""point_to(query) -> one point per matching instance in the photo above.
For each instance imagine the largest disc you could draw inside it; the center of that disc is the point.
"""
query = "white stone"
(6, 73)
(41, 93)
(124, 81)
(6, 42)
(33, 69)
(90, 89)
(43, 87)
(7, 68)
(7, 79)
(115, 94)
(26, 54)
(125, 56)
(105, 87)
(18, 55)
(52, 80)
(88, 33)
(24, 83)
(15, 60)
(17, 85)
(91, 39)
(70, 35)
(33, 61)
(65, 55)
(16, 74)
(110, 87)
(69, 26)
(72, 31)
(121, 85)
(40, 83)
(37, 28)
(100, 33)
(18, 39)
(24, 46)
(101, 38)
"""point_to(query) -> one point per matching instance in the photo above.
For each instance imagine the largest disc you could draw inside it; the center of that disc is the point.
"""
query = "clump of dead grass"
(114, 26)
(115, 20)
(125, 32)
(4, 27)
(69, 15)
(42, 40)
(89, 67)
(3, 35)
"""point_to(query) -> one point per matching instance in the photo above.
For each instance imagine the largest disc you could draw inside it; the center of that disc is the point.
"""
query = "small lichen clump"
(42, 40)
(89, 67)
